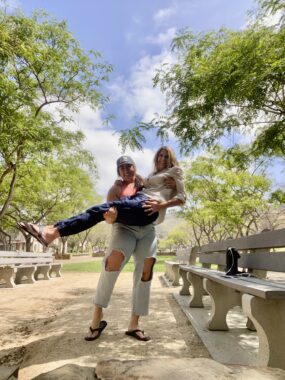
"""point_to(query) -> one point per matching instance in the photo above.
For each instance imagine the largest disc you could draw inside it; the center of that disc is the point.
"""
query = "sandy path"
(42, 325)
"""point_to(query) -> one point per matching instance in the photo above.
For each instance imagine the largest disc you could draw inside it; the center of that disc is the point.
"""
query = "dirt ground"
(42, 325)
(42, 329)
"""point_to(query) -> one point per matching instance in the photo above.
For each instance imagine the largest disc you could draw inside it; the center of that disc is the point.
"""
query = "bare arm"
(114, 192)
(152, 205)
(110, 216)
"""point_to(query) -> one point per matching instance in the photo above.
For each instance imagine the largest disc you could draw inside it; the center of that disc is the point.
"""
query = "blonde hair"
(172, 160)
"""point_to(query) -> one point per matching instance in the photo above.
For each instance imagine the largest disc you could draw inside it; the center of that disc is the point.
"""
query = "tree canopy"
(225, 197)
(44, 77)
(224, 81)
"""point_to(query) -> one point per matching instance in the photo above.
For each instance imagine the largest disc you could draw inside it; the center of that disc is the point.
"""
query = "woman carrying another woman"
(146, 206)
(135, 236)
(138, 241)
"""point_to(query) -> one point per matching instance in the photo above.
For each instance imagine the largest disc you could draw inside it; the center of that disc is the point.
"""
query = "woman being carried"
(145, 207)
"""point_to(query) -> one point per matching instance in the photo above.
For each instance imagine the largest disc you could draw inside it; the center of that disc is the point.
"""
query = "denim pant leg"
(124, 240)
(83, 221)
(130, 212)
(146, 247)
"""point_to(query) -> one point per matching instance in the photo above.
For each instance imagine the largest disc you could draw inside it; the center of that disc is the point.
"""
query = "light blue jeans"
(140, 242)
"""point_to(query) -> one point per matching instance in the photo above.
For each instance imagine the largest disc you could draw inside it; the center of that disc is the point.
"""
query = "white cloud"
(268, 20)
(104, 144)
(272, 19)
(162, 38)
(164, 14)
(89, 118)
(136, 93)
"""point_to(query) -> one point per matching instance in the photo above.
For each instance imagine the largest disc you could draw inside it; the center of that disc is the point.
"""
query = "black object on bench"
(261, 299)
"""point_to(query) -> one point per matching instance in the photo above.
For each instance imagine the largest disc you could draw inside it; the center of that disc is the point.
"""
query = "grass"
(95, 265)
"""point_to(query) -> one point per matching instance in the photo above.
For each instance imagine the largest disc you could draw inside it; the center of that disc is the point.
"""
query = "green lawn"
(95, 266)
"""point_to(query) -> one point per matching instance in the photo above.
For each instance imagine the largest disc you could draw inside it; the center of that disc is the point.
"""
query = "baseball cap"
(125, 160)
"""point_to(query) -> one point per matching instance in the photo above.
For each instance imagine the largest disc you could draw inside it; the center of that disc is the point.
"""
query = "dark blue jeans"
(130, 212)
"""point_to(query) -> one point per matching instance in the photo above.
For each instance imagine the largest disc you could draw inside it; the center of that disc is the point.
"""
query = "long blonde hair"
(172, 161)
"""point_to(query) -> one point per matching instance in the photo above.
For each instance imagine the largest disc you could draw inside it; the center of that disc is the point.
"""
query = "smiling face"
(163, 160)
(127, 172)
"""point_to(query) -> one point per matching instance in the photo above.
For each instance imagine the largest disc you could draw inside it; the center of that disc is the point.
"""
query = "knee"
(114, 261)
(148, 269)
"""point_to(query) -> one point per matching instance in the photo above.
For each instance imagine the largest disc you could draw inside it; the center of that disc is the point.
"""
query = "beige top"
(155, 188)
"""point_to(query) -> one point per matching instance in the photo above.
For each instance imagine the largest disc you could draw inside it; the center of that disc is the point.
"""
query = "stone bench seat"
(172, 274)
(17, 267)
(261, 299)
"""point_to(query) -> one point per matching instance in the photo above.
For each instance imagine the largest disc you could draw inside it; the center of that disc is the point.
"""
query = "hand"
(151, 206)
(170, 183)
(110, 216)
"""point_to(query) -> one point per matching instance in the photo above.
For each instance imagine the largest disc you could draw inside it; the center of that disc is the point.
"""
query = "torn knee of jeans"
(148, 269)
(114, 261)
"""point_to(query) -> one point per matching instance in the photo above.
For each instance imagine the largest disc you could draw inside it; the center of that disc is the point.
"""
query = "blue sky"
(133, 36)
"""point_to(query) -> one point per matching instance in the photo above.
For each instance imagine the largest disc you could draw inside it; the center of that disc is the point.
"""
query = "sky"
(134, 37)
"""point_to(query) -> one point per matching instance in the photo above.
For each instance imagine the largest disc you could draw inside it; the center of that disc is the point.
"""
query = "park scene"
(142, 193)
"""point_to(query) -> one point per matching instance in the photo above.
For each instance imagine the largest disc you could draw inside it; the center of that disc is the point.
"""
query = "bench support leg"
(223, 299)
(166, 274)
(198, 290)
(184, 291)
(7, 274)
(44, 270)
(268, 317)
(25, 272)
(55, 268)
(175, 275)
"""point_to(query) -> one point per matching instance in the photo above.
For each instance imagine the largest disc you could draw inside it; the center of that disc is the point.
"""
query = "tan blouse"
(155, 188)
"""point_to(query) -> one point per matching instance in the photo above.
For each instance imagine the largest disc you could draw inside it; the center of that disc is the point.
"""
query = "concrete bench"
(182, 256)
(15, 266)
(261, 299)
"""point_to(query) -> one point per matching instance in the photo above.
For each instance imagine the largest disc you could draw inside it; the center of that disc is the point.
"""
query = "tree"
(178, 237)
(41, 65)
(100, 235)
(224, 81)
(225, 199)
(51, 191)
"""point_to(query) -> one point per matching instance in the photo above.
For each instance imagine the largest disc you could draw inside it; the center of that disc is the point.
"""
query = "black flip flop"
(134, 334)
(101, 327)
(29, 228)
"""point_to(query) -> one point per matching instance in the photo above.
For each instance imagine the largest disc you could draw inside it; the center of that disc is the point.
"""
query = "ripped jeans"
(141, 242)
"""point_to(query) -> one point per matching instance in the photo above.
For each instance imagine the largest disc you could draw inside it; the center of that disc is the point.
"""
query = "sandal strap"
(138, 330)
(94, 330)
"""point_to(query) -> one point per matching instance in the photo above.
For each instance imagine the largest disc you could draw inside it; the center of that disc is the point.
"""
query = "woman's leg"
(83, 221)
(130, 212)
(128, 207)
(113, 263)
(144, 256)
(69, 226)
(121, 247)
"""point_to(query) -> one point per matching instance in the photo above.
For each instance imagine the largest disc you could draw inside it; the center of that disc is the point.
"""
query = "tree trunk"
(64, 245)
